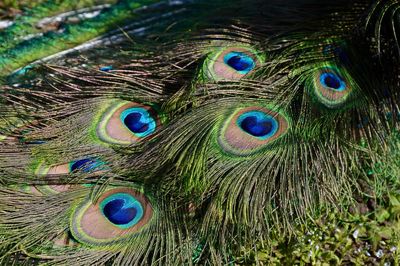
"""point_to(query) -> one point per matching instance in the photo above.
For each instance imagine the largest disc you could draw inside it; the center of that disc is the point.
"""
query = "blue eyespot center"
(258, 124)
(116, 212)
(106, 68)
(122, 210)
(139, 121)
(332, 81)
(86, 165)
(134, 123)
(256, 128)
(239, 61)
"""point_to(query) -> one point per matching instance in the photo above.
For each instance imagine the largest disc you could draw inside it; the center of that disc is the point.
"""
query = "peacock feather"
(184, 132)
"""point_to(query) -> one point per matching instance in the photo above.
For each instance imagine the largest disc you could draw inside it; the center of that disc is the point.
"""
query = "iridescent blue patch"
(239, 61)
(332, 81)
(122, 210)
(106, 68)
(117, 213)
(139, 121)
(86, 165)
(258, 124)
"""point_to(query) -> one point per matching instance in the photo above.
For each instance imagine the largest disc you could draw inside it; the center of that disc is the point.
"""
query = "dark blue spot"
(327, 50)
(134, 122)
(241, 62)
(85, 165)
(38, 142)
(106, 68)
(116, 212)
(386, 93)
(332, 81)
(338, 51)
(363, 122)
(238, 63)
(256, 127)
(342, 55)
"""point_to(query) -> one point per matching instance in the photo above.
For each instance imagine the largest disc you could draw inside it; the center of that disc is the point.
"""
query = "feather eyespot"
(240, 62)
(251, 129)
(85, 165)
(332, 81)
(122, 209)
(330, 87)
(127, 123)
(139, 121)
(258, 124)
(119, 213)
(231, 63)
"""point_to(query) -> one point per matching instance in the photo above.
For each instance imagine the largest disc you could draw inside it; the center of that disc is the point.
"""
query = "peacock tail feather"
(183, 132)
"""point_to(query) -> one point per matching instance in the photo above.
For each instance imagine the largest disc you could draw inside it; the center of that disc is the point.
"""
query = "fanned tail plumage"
(196, 139)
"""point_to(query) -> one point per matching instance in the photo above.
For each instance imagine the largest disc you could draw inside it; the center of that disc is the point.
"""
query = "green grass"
(10, 8)
(367, 234)
(17, 4)
(338, 239)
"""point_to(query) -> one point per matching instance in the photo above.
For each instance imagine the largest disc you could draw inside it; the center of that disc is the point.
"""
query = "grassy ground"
(367, 234)
(11, 8)
(372, 238)
(18, 4)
